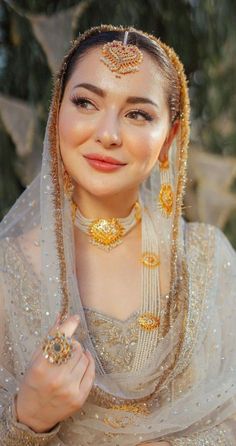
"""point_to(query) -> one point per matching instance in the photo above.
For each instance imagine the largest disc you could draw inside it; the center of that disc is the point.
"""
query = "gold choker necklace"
(106, 233)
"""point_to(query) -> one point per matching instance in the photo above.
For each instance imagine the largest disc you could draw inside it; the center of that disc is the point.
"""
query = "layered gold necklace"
(109, 233)
(106, 233)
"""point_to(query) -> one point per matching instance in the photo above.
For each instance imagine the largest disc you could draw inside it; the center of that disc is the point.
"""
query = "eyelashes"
(86, 104)
(144, 114)
(80, 101)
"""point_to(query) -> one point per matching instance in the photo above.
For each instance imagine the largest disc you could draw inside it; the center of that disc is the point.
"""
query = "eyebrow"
(102, 94)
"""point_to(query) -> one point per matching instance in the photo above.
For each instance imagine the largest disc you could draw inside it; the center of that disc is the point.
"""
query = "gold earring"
(68, 185)
(166, 194)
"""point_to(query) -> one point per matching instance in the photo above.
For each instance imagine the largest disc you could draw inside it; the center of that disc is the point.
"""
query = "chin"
(104, 193)
(102, 190)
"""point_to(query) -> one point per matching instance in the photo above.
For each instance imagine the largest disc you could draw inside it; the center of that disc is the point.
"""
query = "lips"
(104, 159)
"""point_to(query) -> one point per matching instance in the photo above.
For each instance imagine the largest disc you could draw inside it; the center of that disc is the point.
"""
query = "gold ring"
(57, 349)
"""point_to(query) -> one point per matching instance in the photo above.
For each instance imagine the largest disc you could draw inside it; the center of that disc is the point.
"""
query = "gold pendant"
(106, 233)
(148, 321)
(150, 259)
(166, 199)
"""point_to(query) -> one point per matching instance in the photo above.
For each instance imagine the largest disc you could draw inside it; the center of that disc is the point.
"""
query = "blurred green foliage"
(203, 33)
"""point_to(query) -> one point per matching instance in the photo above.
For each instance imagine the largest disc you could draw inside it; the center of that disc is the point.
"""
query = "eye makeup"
(81, 102)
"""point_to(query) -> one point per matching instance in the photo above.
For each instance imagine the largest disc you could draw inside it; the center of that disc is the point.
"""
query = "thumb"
(69, 326)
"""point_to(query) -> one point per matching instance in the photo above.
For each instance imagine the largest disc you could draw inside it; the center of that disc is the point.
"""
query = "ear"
(163, 155)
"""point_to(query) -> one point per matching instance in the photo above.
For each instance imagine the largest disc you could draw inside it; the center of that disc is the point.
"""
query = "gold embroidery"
(137, 409)
(116, 422)
(214, 436)
(13, 433)
(115, 341)
(58, 197)
(201, 243)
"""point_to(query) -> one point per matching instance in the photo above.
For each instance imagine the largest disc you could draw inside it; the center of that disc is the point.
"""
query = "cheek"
(146, 145)
(72, 130)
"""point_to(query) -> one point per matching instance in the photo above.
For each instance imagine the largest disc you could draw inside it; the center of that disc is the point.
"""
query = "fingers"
(38, 351)
(68, 327)
(88, 377)
(77, 354)
(79, 369)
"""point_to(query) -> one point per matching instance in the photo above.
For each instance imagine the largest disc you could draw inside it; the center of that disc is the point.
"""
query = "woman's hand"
(51, 393)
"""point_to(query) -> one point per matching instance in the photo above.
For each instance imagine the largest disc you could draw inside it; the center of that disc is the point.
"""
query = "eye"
(140, 115)
(82, 102)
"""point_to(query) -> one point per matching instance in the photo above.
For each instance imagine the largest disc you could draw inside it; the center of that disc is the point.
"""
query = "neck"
(117, 205)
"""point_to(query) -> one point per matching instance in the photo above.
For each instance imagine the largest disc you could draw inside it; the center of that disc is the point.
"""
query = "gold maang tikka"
(166, 194)
(121, 57)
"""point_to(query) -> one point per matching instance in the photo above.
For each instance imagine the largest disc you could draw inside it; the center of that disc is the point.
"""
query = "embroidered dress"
(210, 326)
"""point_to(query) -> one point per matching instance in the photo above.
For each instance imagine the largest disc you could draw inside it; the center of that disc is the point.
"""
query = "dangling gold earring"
(68, 185)
(166, 194)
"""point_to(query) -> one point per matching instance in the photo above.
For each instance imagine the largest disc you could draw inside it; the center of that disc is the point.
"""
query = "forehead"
(147, 81)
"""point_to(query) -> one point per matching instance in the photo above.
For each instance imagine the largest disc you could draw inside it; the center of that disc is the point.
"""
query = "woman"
(96, 254)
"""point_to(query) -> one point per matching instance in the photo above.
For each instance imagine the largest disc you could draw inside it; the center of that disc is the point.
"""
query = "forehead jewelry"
(121, 57)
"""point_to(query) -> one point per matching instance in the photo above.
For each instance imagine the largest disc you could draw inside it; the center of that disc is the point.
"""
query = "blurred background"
(34, 35)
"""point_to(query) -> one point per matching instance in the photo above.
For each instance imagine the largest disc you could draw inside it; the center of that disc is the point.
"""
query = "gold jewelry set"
(106, 233)
(121, 58)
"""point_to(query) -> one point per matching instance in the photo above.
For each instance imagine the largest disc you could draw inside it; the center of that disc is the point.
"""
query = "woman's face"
(112, 128)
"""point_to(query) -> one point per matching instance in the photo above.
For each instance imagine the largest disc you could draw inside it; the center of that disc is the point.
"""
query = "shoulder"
(22, 249)
(207, 234)
(212, 263)
(199, 230)
(199, 242)
(210, 257)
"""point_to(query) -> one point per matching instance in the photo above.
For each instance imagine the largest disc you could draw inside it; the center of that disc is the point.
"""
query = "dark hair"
(143, 43)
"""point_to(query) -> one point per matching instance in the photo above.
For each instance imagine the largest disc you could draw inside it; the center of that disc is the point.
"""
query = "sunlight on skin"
(104, 116)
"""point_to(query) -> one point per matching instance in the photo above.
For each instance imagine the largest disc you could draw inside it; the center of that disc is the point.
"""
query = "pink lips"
(103, 163)
(105, 159)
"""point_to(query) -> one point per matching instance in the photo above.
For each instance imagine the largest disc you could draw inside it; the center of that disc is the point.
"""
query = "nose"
(108, 132)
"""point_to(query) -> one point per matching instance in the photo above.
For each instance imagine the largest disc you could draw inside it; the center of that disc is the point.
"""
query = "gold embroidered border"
(202, 241)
